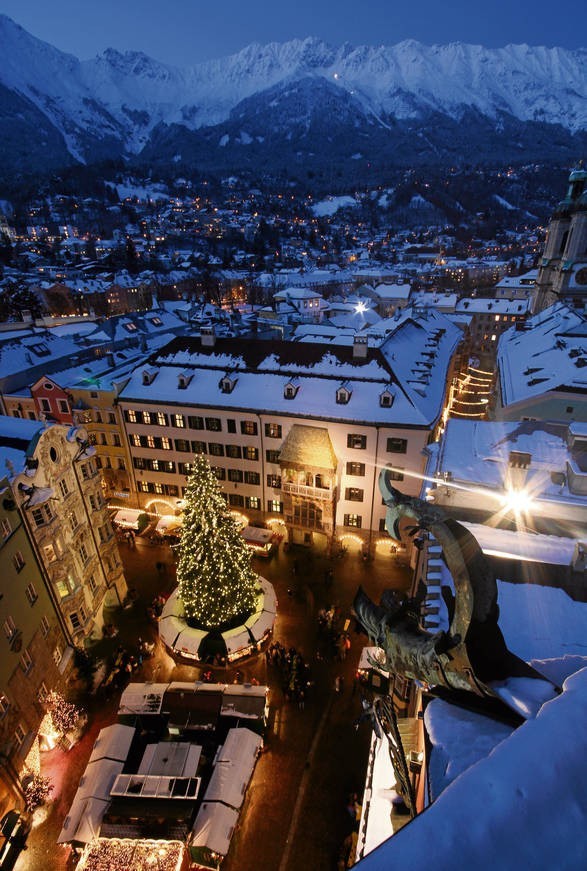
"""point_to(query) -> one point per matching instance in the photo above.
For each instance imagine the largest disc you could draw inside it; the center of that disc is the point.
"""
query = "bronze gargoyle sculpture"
(472, 654)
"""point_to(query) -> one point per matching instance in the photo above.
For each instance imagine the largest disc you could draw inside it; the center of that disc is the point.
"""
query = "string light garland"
(216, 581)
(37, 791)
(123, 854)
(64, 714)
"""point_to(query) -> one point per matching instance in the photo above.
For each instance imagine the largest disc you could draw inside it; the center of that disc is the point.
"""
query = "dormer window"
(149, 376)
(183, 380)
(386, 399)
(227, 384)
(290, 390)
(343, 394)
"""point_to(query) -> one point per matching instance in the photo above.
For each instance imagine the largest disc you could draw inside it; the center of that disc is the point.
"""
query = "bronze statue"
(472, 654)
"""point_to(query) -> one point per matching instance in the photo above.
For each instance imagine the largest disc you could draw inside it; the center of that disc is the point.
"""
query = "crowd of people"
(294, 670)
(335, 643)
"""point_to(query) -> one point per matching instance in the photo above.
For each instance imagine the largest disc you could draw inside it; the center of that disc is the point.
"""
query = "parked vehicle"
(14, 828)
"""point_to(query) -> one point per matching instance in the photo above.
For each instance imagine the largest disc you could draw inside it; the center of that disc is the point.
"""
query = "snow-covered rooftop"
(263, 369)
(549, 354)
(480, 453)
(506, 799)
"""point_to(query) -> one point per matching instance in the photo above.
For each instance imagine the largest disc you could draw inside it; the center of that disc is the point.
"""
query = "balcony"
(322, 494)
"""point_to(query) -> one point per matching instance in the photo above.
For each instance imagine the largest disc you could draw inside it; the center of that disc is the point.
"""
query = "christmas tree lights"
(216, 582)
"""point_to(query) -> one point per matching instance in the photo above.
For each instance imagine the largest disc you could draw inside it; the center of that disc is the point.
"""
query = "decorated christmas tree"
(216, 582)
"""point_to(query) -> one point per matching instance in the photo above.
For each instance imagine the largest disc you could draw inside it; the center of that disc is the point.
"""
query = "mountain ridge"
(118, 103)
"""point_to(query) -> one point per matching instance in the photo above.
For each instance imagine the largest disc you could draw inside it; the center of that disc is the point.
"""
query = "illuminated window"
(274, 506)
(248, 427)
(354, 520)
(19, 735)
(9, 627)
(31, 594)
(4, 705)
(26, 661)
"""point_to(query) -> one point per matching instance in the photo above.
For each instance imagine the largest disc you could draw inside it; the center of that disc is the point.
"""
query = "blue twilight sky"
(183, 32)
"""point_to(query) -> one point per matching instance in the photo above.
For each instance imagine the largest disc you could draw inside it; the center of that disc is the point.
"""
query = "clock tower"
(563, 269)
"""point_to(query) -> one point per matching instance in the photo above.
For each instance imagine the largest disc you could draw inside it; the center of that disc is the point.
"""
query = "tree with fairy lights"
(217, 585)
(64, 715)
(37, 791)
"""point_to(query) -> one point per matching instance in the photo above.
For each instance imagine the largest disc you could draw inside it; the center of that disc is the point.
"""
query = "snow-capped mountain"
(54, 107)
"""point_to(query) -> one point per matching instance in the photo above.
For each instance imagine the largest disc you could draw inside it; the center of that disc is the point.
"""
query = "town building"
(542, 368)
(562, 275)
(299, 305)
(387, 297)
(516, 286)
(489, 319)
(56, 488)
(34, 640)
(296, 431)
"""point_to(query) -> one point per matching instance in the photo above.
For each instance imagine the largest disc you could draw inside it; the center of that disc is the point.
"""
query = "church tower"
(563, 269)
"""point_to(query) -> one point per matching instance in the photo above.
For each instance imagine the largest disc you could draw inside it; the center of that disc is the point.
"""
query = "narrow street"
(295, 811)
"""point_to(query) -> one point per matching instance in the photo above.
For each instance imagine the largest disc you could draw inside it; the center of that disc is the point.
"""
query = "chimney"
(360, 347)
(208, 336)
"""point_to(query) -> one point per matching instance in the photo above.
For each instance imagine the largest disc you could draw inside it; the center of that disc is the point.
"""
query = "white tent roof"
(234, 767)
(240, 689)
(171, 758)
(241, 747)
(127, 516)
(256, 534)
(168, 521)
(142, 698)
(227, 784)
(270, 599)
(214, 826)
(82, 823)
(260, 626)
(188, 640)
(97, 779)
(113, 742)
(236, 639)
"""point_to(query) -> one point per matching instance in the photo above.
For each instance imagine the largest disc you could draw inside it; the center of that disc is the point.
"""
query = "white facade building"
(297, 431)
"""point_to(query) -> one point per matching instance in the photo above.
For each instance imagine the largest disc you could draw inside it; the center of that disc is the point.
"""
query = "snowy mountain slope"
(113, 103)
